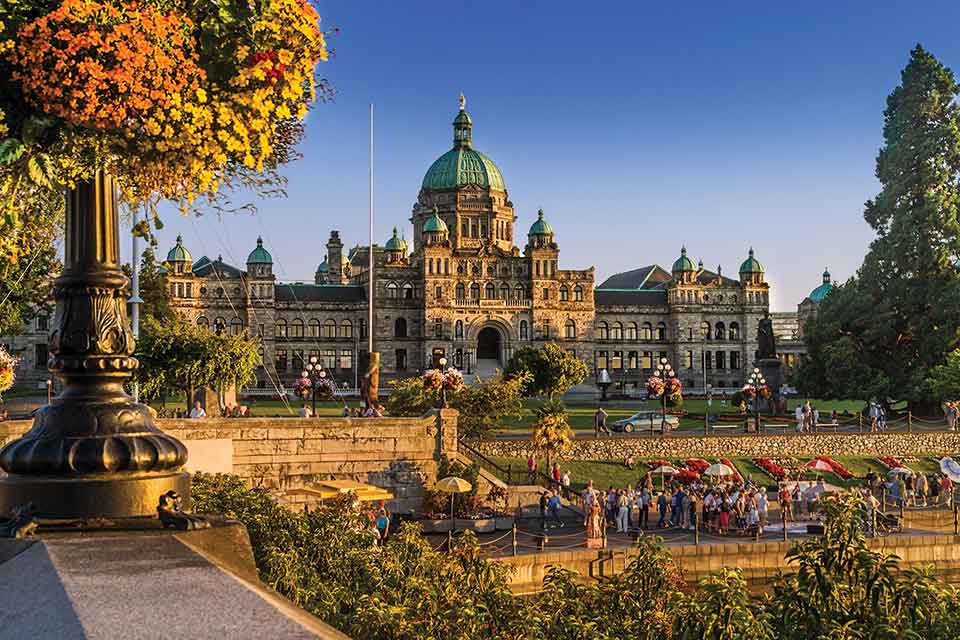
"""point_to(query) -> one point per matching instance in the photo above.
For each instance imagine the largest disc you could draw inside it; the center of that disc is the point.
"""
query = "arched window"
(570, 329)
(236, 327)
(505, 291)
(346, 329)
(617, 332)
(438, 328)
(631, 331)
(720, 333)
(734, 333)
(400, 328)
(203, 322)
(458, 330)
(490, 291)
(705, 330)
(475, 291)
(518, 293)
(280, 329)
(564, 294)
(407, 291)
(524, 330)
(461, 291)
(603, 331)
(329, 328)
(392, 290)
(296, 328)
(313, 328)
(661, 332)
(578, 294)
(646, 334)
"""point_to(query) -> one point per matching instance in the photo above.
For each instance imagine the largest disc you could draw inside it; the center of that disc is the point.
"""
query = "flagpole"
(370, 253)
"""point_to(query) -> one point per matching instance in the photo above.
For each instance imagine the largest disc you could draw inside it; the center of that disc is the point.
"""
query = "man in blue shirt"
(553, 505)
(662, 508)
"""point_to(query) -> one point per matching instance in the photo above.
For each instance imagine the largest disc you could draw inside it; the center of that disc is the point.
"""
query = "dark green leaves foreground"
(326, 562)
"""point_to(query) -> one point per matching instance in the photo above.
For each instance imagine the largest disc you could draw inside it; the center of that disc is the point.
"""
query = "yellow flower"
(201, 94)
(285, 56)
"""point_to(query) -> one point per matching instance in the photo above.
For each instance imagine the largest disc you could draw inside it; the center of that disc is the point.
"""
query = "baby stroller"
(888, 523)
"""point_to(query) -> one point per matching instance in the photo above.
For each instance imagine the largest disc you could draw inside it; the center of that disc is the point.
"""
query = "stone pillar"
(446, 432)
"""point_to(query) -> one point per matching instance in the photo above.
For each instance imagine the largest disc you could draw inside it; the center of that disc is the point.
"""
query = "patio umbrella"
(900, 471)
(718, 469)
(819, 465)
(950, 468)
(452, 485)
(664, 469)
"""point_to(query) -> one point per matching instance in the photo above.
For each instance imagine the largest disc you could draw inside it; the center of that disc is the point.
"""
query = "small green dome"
(179, 252)
(435, 223)
(540, 227)
(751, 264)
(259, 255)
(396, 243)
(463, 165)
(323, 267)
(683, 263)
(818, 294)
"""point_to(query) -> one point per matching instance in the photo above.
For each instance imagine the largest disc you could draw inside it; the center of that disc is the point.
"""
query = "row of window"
(328, 358)
(631, 331)
(405, 291)
(719, 331)
(645, 360)
(314, 329)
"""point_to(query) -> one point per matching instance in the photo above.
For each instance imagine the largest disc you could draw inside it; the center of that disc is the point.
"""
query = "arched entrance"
(488, 344)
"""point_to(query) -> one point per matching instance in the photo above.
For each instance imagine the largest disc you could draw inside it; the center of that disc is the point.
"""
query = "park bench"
(778, 426)
(727, 426)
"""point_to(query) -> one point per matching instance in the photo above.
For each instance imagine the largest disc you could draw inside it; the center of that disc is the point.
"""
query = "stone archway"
(489, 344)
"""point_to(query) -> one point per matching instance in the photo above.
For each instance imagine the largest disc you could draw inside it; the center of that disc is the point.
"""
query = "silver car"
(643, 420)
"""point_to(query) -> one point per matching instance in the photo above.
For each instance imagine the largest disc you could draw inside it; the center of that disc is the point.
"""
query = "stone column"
(93, 452)
(446, 432)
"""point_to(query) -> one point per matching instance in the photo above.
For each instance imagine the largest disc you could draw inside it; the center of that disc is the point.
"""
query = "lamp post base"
(109, 495)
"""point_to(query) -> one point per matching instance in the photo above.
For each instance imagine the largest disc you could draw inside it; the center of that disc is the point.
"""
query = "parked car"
(641, 421)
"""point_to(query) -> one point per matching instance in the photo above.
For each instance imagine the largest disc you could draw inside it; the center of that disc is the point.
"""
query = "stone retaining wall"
(399, 454)
(752, 446)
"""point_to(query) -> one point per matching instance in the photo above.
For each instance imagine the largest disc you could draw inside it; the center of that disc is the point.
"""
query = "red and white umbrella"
(819, 465)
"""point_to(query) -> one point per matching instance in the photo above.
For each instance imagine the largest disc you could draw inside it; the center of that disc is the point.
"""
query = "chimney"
(334, 258)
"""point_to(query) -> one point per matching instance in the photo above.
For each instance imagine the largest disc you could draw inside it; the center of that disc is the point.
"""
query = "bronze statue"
(170, 512)
(371, 382)
(766, 342)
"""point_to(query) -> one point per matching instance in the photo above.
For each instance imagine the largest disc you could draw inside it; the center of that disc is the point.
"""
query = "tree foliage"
(153, 288)
(552, 436)
(178, 355)
(900, 315)
(549, 371)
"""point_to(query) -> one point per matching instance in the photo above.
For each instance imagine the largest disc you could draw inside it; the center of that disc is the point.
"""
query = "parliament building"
(475, 282)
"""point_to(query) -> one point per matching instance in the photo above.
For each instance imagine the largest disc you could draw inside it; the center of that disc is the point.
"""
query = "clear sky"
(636, 126)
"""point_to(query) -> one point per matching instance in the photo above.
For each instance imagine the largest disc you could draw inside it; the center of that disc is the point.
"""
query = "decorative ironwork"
(171, 514)
(21, 522)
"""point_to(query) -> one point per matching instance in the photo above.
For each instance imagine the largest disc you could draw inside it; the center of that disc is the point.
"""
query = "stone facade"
(746, 446)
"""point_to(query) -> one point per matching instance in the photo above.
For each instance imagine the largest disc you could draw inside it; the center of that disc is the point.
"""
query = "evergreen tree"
(28, 265)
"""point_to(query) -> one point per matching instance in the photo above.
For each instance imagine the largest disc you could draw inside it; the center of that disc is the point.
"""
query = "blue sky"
(637, 127)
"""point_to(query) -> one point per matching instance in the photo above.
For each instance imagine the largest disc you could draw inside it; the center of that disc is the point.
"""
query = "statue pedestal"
(772, 370)
(594, 543)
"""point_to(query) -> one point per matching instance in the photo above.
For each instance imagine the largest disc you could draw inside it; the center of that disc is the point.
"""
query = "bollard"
(783, 519)
(514, 538)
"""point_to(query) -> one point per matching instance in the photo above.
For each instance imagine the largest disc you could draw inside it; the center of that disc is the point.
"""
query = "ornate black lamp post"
(756, 382)
(664, 372)
(443, 387)
(315, 373)
(92, 452)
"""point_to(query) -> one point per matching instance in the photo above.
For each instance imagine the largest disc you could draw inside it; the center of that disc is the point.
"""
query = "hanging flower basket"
(655, 386)
(303, 388)
(432, 380)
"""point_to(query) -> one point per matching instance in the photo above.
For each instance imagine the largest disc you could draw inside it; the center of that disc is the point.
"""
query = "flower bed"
(696, 465)
(890, 462)
(836, 467)
(736, 474)
(771, 468)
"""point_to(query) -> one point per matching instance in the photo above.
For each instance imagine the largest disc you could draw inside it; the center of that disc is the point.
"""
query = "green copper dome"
(396, 243)
(179, 252)
(683, 263)
(323, 267)
(259, 255)
(751, 264)
(818, 294)
(540, 227)
(435, 223)
(463, 165)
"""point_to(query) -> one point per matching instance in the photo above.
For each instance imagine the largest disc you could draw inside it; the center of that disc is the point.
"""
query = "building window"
(518, 293)
(646, 362)
(578, 294)
(564, 294)
(617, 333)
(661, 332)
(546, 328)
(189, 289)
(329, 328)
(280, 360)
(313, 328)
(438, 328)
(400, 328)
(708, 359)
(600, 358)
(689, 359)
(603, 331)
(734, 333)
(280, 329)
(346, 359)
(735, 360)
(438, 293)
(705, 330)
(546, 293)
(631, 331)
(401, 357)
(721, 360)
(633, 360)
(298, 362)
(236, 327)
(616, 362)
(505, 291)
(490, 291)
(407, 291)
(296, 328)
(475, 291)
(646, 333)
(40, 356)
(524, 331)
(43, 323)
(719, 332)
(392, 290)
(346, 329)
(363, 328)
(219, 325)
(461, 291)
(203, 322)
(570, 330)
(458, 330)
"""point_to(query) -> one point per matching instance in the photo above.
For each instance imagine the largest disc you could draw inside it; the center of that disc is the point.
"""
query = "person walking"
(622, 512)
(762, 506)
(565, 480)
(600, 422)
(555, 474)
(784, 498)
(553, 507)
(544, 500)
(645, 508)
(920, 490)
(588, 497)
(950, 412)
(946, 491)
(383, 526)
(532, 468)
(662, 508)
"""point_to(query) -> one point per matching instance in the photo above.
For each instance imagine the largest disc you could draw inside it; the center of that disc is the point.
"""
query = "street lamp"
(443, 387)
(314, 369)
(756, 382)
(664, 372)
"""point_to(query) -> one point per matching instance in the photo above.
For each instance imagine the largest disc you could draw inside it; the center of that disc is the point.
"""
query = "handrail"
(482, 459)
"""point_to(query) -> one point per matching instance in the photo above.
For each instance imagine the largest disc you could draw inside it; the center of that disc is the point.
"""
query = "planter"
(434, 526)
(504, 523)
(484, 525)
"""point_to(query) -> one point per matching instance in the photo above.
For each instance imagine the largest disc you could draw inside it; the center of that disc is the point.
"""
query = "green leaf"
(37, 169)
(10, 150)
